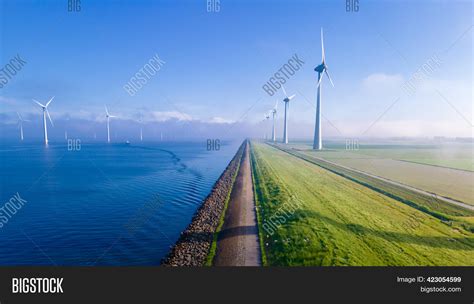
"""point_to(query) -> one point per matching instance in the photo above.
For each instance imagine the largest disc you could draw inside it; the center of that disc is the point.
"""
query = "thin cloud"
(220, 120)
(382, 81)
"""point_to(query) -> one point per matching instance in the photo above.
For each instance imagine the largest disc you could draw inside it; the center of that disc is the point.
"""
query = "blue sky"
(216, 64)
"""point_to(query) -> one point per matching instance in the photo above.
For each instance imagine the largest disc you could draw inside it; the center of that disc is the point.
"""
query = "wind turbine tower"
(140, 121)
(274, 112)
(322, 68)
(20, 122)
(108, 116)
(45, 112)
(267, 117)
(286, 100)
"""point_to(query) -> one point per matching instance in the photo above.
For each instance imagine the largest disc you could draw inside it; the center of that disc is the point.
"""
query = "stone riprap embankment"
(193, 245)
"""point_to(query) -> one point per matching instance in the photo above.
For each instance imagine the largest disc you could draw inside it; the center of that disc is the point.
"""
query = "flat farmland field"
(456, 156)
(451, 183)
(450, 155)
(310, 216)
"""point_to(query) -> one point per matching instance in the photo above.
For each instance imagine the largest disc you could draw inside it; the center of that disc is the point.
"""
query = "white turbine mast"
(20, 123)
(140, 121)
(322, 68)
(274, 113)
(265, 119)
(45, 112)
(108, 116)
(286, 100)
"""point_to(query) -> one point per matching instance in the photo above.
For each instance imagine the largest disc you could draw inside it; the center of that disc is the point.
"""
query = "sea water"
(102, 204)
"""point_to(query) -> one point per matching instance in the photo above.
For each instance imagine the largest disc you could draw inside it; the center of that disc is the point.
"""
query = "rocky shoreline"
(193, 245)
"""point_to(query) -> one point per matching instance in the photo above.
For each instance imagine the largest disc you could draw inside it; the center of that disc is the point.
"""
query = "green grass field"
(311, 216)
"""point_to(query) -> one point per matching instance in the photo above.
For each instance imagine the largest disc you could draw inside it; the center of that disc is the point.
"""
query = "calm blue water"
(105, 204)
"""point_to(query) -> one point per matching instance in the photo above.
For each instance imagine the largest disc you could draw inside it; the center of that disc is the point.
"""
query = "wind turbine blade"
(50, 101)
(284, 91)
(322, 46)
(327, 74)
(50, 120)
(319, 81)
(19, 116)
(276, 105)
(39, 103)
(291, 97)
(106, 111)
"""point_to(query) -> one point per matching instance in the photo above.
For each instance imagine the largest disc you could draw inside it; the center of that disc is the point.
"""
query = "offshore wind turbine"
(322, 68)
(45, 111)
(20, 122)
(140, 121)
(108, 116)
(286, 100)
(274, 112)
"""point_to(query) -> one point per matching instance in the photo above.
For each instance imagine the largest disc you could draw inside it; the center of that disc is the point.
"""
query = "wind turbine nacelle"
(286, 99)
(320, 68)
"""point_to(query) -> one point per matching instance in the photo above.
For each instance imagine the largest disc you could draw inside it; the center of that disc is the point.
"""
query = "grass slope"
(334, 221)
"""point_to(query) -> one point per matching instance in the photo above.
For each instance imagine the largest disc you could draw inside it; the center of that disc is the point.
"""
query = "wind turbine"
(140, 121)
(267, 117)
(45, 111)
(108, 116)
(286, 100)
(20, 122)
(274, 112)
(322, 68)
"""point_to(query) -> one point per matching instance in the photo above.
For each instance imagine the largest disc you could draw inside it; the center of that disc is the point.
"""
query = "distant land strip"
(195, 242)
(433, 165)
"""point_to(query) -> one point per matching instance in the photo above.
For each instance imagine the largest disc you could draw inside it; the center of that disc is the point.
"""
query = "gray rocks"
(193, 245)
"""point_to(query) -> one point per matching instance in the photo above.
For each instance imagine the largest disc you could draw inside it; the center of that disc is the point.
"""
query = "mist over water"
(104, 204)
